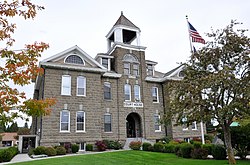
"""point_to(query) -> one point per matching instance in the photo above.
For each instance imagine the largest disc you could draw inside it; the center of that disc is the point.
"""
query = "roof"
(122, 20)
(8, 136)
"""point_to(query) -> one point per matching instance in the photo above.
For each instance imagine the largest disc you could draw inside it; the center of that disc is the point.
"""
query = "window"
(135, 69)
(80, 121)
(107, 91)
(150, 70)
(184, 125)
(157, 123)
(81, 146)
(66, 85)
(127, 92)
(74, 59)
(137, 95)
(155, 94)
(126, 68)
(194, 125)
(81, 86)
(64, 121)
(105, 62)
(107, 123)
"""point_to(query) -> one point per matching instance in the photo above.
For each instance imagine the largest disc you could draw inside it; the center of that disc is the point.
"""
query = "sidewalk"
(19, 158)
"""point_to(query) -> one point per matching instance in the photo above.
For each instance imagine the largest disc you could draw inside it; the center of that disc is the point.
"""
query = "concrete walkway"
(19, 158)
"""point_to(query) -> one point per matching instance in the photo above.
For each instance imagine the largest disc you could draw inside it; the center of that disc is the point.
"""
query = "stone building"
(117, 95)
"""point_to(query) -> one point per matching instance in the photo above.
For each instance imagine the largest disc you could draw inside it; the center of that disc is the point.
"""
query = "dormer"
(150, 67)
(123, 32)
(104, 60)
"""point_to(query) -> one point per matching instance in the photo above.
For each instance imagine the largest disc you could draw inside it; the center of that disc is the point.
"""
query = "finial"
(121, 12)
(186, 16)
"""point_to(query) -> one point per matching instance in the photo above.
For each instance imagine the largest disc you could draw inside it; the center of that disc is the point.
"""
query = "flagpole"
(189, 36)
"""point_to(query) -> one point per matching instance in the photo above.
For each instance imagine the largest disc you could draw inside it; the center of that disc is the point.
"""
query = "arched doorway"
(133, 125)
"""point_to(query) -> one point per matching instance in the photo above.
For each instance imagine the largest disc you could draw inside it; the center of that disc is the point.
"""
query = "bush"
(208, 147)
(89, 147)
(146, 146)
(39, 150)
(100, 146)
(158, 147)
(112, 144)
(199, 153)
(117, 145)
(5, 155)
(177, 149)
(60, 150)
(219, 152)
(135, 145)
(169, 148)
(74, 148)
(186, 149)
(166, 139)
(197, 144)
(50, 151)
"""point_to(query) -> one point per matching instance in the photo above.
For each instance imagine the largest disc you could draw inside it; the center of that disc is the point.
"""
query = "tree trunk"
(227, 139)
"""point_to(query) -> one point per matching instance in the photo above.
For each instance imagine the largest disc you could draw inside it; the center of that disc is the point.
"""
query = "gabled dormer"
(123, 32)
(150, 67)
(104, 60)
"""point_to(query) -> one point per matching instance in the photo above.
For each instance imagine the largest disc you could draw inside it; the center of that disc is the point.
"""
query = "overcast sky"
(163, 25)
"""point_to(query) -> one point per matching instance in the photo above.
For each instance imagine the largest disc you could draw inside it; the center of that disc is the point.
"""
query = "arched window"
(130, 62)
(130, 58)
(74, 59)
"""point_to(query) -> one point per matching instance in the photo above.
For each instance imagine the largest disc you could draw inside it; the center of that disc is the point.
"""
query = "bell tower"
(123, 32)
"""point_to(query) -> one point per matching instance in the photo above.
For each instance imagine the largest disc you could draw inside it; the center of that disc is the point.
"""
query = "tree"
(216, 83)
(20, 66)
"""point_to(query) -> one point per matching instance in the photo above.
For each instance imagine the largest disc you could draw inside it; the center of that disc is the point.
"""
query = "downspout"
(164, 108)
(41, 118)
(118, 109)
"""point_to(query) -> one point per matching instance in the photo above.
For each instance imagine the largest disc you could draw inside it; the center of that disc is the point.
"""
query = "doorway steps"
(141, 139)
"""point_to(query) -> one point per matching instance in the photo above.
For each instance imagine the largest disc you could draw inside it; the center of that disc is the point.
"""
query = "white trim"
(125, 46)
(107, 83)
(64, 60)
(108, 114)
(157, 96)
(129, 92)
(62, 131)
(62, 85)
(77, 85)
(83, 122)
(195, 125)
(159, 117)
(139, 100)
(111, 74)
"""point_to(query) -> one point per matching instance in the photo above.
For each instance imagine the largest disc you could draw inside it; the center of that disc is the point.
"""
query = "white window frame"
(80, 122)
(136, 70)
(63, 86)
(84, 85)
(61, 121)
(195, 125)
(129, 88)
(150, 70)
(108, 114)
(80, 146)
(157, 124)
(139, 92)
(184, 125)
(107, 83)
(129, 69)
(107, 63)
(157, 94)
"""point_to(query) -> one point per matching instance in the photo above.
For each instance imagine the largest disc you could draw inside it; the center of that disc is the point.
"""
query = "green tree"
(216, 84)
(20, 66)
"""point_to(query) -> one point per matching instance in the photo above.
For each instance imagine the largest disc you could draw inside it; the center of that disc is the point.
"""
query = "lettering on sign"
(133, 104)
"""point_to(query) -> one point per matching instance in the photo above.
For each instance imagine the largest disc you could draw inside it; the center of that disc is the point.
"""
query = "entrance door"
(28, 142)
(133, 125)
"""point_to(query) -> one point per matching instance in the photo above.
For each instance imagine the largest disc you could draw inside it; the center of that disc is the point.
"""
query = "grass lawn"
(127, 158)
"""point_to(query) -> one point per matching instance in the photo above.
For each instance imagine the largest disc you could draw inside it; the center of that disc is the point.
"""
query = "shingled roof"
(122, 20)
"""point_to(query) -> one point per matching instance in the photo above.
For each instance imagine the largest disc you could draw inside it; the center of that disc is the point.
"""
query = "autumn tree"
(216, 83)
(18, 66)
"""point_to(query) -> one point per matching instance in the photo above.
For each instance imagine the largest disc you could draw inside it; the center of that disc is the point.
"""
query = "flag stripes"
(195, 35)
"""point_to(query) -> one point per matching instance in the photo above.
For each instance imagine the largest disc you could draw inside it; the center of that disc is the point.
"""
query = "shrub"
(112, 144)
(208, 147)
(169, 148)
(174, 142)
(5, 155)
(199, 153)
(74, 148)
(100, 146)
(67, 146)
(146, 146)
(186, 149)
(219, 152)
(117, 145)
(89, 147)
(166, 139)
(39, 150)
(50, 151)
(197, 144)
(158, 147)
(60, 150)
(135, 145)
(177, 149)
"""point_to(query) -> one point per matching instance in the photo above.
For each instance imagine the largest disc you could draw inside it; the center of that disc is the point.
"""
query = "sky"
(163, 25)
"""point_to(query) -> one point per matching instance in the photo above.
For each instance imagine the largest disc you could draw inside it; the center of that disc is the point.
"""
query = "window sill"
(156, 102)
(81, 95)
(108, 99)
(185, 129)
(80, 131)
(65, 95)
(64, 132)
(108, 132)
(158, 131)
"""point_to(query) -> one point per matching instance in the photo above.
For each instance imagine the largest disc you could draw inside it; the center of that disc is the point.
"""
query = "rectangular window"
(137, 93)
(81, 86)
(105, 62)
(194, 125)
(184, 125)
(155, 94)
(150, 70)
(135, 69)
(107, 91)
(66, 85)
(80, 121)
(126, 68)
(81, 146)
(64, 121)
(107, 123)
(157, 123)
(127, 92)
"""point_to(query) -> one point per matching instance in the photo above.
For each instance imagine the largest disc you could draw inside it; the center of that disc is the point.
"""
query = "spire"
(122, 20)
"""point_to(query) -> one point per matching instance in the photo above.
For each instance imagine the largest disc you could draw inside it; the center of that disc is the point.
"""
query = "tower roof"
(122, 20)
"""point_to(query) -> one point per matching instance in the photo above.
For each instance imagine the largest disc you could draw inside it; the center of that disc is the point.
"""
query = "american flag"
(195, 35)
